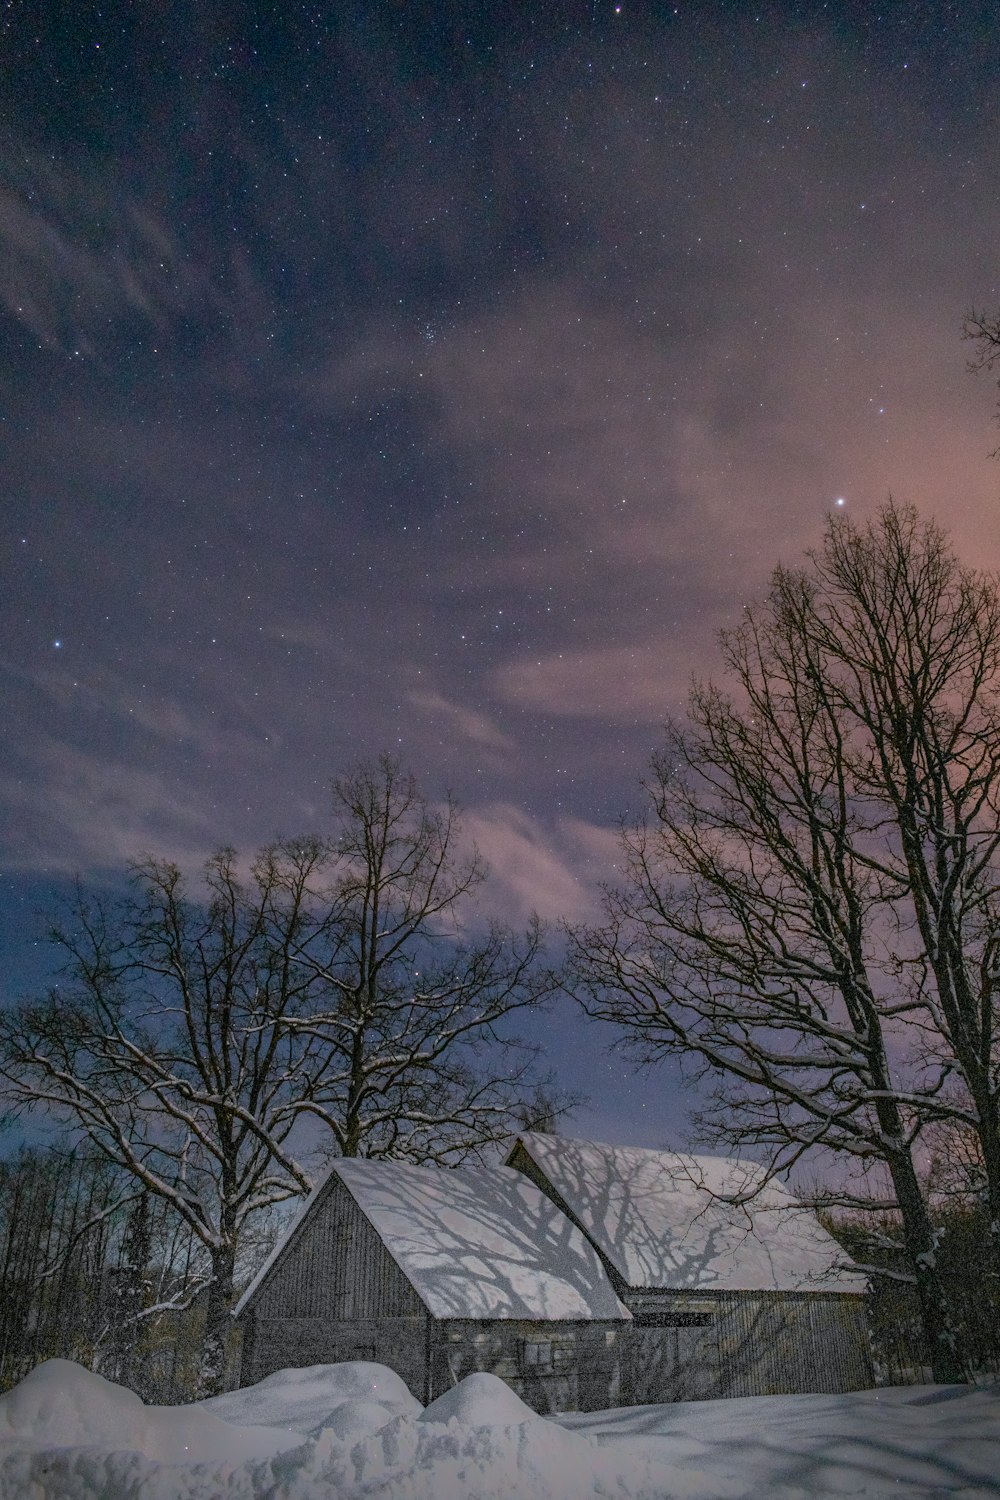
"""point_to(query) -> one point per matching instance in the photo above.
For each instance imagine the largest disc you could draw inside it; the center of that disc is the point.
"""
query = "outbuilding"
(437, 1273)
(734, 1287)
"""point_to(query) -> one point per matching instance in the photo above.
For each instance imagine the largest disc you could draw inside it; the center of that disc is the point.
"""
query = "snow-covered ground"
(354, 1432)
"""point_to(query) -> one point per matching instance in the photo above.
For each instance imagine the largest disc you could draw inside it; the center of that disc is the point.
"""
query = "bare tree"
(58, 1212)
(197, 1037)
(168, 1047)
(412, 1010)
(810, 914)
(912, 645)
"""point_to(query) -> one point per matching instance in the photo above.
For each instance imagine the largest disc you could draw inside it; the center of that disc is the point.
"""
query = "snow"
(304, 1399)
(68, 1435)
(62, 1405)
(479, 1400)
(478, 1242)
(656, 1217)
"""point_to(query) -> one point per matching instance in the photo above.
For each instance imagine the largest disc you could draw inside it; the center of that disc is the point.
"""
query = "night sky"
(439, 379)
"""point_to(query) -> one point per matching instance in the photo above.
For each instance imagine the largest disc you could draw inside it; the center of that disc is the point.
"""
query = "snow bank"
(61, 1405)
(305, 1399)
(69, 1435)
(479, 1401)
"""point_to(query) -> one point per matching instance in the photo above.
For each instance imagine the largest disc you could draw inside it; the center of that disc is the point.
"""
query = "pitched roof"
(659, 1219)
(473, 1242)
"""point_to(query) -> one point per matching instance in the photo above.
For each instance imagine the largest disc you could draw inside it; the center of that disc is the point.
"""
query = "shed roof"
(661, 1220)
(473, 1242)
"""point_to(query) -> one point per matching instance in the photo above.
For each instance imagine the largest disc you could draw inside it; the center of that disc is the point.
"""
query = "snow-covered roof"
(480, 1243)
(660, 1220)
(473, 1242)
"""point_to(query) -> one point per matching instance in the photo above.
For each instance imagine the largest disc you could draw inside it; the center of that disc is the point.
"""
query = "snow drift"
(354, 1432)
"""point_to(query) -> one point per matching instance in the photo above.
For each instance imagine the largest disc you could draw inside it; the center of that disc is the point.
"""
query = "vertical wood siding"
(689, 1347)
(336, 1266)
(671, 1349)
(775, 1344)
(289, 1343)
(571, 1366)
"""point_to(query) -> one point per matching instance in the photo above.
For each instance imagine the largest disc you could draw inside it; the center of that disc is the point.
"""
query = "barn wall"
(551, 1366)
(688, 1348)
(671, 1350)
(271, 1344)
(336, 1266)
(772, 1344)
(335, 1293)
(571, 1366)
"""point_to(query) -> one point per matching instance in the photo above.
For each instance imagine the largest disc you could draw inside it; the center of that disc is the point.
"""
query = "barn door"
(674, 1358)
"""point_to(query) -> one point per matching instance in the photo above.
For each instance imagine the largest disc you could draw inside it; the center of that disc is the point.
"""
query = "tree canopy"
(328, 1001)
(809, 912)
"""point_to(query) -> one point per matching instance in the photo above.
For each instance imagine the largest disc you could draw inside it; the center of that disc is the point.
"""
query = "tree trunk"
(990, 1139)
(218, 1324)
(947, 1366)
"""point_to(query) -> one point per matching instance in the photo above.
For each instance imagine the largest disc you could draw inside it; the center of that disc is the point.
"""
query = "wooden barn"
(728, 1297)
(438, 1273)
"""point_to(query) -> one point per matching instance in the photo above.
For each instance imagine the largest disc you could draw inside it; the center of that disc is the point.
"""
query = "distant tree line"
(93, 1269)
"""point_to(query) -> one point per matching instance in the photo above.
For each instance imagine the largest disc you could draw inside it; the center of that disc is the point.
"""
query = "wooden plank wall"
(294, 1343)
(671, 1349)
(690, 1348)
(779, 1343)
(336, 1267)
(571, 1366)
(335, 1294)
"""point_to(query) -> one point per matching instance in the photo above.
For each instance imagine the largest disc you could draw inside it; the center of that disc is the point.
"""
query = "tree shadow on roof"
(478, 1243)
(678, 1222)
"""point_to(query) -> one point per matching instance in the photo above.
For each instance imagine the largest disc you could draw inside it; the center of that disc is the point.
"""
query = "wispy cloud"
(470, 723)
(81, 256)
(90, 813)
(612, 684)
(294, 541)
(549, 868)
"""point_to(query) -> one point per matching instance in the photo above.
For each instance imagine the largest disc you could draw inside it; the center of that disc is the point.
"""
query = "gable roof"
(473, 1242)
(658, 1218)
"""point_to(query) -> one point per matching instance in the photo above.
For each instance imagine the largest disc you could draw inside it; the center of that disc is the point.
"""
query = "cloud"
(109, 769)
(88, 813)
(293, 543)
(552, 869)
(630, 684)
(218, 725)
(469, 723)
(82, 256)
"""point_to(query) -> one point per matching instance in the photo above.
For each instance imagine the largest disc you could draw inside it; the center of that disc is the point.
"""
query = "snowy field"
(343, 1432)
